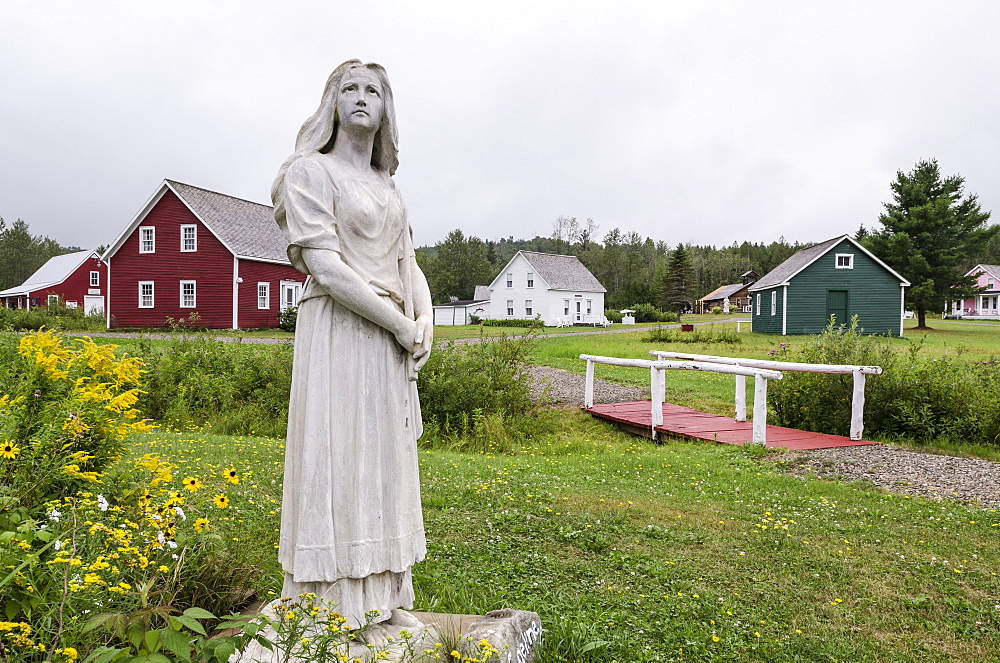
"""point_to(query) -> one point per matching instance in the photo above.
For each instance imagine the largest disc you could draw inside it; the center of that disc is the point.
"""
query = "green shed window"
(756, 309)
(774, 302)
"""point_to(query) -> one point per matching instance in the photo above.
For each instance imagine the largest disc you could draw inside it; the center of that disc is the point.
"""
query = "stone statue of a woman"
(351, 525)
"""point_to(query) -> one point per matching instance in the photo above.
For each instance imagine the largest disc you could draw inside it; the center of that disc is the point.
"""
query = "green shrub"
(918, 398)
(613, 316)
(648, 313)
(56, 316)
(232, 388)
(514, 322)
(287, 318)
(700, 335)
(716, 310)
(477, 397)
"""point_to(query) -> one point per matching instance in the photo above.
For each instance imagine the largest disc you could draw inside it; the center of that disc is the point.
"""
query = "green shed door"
(836, 305)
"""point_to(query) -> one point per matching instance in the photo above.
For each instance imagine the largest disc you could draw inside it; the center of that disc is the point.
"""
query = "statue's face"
(359, 101)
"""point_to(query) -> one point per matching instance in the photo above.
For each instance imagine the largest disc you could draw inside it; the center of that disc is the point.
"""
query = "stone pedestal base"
(508, 636)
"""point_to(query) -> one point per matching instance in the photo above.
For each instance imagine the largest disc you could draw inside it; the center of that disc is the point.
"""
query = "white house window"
(95, 279)
(988, 302)
(590, 303)
(189, 238)
(147, 239)
(53, 300)
(531, 280)
(565, 307)
(510, 307)
(989, 284)
(527, 307)
(145, 294)
(845, 261)
(510, 280)
(263, 295)
(187, 294)
(774, 302)
(756, 309)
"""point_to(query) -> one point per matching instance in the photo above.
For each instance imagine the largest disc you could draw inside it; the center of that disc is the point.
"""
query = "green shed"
(838, 277)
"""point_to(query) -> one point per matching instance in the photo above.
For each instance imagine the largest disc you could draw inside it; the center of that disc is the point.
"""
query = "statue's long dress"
(351, 525)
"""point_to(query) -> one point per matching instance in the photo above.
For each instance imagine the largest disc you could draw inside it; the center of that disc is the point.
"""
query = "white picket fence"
(858, 373)
(657, 385)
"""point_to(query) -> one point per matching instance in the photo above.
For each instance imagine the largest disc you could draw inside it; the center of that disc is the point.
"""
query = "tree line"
(635, 269)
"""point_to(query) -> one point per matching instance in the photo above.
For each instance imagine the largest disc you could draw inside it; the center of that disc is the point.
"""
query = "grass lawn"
(683, 552)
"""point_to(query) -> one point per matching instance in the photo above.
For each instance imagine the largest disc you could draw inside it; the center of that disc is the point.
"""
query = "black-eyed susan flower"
(231, 476)
(8, 450)
(201, 524)
(221, 500)
(191, 483)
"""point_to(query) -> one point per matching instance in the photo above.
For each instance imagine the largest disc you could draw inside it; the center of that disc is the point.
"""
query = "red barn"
(77, 279)
(193, 251)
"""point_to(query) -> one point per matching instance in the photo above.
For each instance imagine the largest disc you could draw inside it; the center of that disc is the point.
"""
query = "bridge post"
(741, 397)
(588, 391)
(656, 396)
(858, 406)
(759, 410)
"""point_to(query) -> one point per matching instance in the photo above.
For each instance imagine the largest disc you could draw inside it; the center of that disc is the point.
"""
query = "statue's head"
(319, 132)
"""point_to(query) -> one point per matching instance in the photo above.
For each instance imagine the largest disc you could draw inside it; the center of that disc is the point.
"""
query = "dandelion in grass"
(201, 525)
(191, 483)
(221, 500)
(9, 451)
(231, 476)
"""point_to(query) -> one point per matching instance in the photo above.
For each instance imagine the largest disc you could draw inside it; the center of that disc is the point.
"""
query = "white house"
(461, 311)
(559, 289)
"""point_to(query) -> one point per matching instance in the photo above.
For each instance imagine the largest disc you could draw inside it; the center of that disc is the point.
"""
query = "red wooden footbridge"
(654, 418)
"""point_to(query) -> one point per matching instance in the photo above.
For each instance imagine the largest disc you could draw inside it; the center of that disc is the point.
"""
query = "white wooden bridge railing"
(657, 377)
(858, 373)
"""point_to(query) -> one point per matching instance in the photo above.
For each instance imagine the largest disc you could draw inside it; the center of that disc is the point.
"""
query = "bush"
(56, 316)
(478, 396)
(287, 318)
(232, 388)
(614, 316)
(917, 398)
(700, 335)
(513, 322)
(716, 310)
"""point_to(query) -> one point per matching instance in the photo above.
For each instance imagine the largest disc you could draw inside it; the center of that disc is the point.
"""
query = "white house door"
(290, 295)
(92, 305)
(578, 318)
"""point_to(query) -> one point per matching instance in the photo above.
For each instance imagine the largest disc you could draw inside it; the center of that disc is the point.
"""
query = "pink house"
(986, 304)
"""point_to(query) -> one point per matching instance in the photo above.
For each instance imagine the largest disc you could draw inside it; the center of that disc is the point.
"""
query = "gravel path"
(910, 472)
(559, 386)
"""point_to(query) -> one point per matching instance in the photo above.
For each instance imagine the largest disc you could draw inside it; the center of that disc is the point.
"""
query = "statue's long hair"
(319, 132)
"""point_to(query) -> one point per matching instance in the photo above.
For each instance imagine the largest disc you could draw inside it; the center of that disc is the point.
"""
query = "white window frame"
(151, 294)
(989, 284)
(143, 240)
(590, 306)
(295, 287)
(95, 279)
(194, 294)
(194, 237)
(510, 280)
(756, 309)
(510, 307)
(52, 300)
(849, 262)
(774, 302)
(263, 295)
(531, 280)
(528, 308)
(565, 307)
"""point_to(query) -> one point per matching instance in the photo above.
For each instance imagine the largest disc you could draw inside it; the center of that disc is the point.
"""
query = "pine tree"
(679, 285)
(930, 231)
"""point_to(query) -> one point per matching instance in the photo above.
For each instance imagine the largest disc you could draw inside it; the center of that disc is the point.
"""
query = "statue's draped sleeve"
(306, 198)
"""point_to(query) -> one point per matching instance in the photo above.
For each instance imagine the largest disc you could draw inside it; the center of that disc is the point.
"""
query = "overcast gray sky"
(704, 122)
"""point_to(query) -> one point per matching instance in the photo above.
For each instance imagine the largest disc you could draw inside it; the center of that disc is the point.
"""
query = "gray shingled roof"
(563, 272)
(482, 293)
(796, 262)
(994, 270)
(247, 229)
